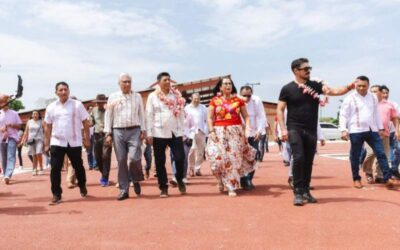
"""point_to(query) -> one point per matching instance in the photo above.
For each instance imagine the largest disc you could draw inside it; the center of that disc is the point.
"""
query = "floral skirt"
(231, 157)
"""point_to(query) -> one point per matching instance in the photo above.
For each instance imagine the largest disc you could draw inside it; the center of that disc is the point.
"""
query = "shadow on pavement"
(352, 199)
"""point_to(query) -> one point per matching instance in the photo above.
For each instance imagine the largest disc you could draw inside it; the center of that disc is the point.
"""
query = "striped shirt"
(124, 111)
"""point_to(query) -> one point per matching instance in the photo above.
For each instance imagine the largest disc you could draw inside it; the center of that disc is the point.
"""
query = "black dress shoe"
(379, 180)
(244, 183)
(309, 198)
(298, 200)
(164, 193)
(122, 196)
(136, 188)
(83, 192)
(56, 200)
(182, 187)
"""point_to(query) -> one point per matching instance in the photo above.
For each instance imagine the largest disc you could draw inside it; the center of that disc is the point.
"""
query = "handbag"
(32, 140)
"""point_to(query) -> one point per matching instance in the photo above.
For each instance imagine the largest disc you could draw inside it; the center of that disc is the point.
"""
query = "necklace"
(176, 104)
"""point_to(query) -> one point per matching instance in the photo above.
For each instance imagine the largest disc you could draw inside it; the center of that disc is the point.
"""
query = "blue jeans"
(147, 156)
(374, 141)
(394, 152)
(8, 152)
(90, 155)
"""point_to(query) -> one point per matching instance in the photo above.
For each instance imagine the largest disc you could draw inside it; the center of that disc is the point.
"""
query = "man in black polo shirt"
(302, 98)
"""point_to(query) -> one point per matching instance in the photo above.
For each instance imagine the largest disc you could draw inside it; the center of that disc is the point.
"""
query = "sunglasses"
(127, 81)
(305, 68)
(248, 96)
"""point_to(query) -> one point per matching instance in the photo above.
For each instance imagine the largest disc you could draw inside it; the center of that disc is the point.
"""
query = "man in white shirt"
(63, 135)
(165, 127)
(125, 125)
(197, 132)
(360, 121)
(258, 122)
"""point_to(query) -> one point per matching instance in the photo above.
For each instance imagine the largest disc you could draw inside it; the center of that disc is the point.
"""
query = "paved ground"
(344, 218)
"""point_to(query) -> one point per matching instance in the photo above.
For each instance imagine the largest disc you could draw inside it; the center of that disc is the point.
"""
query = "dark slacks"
(176, 146)
(57, 160)
(303, 144)
(254, 143)
(102, 154)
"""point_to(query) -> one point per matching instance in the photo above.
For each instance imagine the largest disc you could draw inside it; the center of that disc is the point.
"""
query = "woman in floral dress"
(230, 156)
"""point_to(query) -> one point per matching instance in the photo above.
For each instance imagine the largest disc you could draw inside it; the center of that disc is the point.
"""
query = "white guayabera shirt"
(66, 120)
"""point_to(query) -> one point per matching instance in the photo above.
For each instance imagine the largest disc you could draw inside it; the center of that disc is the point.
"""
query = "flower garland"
(314, 94)
(175, 105)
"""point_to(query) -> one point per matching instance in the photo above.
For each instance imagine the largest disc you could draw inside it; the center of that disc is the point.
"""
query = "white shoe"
(21, 167)
(40, 172)
(185, 180)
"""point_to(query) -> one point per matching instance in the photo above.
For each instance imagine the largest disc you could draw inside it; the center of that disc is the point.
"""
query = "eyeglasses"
(247, 96)
(127, 81)
(305, 68)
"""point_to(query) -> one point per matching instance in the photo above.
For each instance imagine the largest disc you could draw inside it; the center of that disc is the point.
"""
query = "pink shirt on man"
(6, 118)
(387, 112)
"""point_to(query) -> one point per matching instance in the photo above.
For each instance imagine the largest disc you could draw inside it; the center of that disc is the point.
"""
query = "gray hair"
(124, 75)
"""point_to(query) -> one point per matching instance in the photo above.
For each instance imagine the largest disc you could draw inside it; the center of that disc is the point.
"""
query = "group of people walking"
(228, 133)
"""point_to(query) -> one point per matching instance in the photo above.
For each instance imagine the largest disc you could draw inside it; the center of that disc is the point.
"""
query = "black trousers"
(57, 154)
(176, 146)
(20, 156)
(303, 144)
(102, 154)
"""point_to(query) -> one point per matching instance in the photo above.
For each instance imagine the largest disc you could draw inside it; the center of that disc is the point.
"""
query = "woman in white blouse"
(33, 137)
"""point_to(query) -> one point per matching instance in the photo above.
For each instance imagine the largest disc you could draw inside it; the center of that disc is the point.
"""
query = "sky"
(89, 43)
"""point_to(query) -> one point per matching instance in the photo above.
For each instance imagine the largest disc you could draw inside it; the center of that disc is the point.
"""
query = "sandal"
(370, 178)
(34, 172)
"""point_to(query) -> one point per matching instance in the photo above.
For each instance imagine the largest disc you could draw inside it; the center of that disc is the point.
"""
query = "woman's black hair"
(219, 83)
(40, 116)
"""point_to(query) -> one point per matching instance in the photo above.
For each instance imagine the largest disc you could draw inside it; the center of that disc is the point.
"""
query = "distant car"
(330, 131)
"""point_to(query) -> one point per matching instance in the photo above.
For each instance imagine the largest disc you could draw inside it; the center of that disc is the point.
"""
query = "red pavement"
(344, 218)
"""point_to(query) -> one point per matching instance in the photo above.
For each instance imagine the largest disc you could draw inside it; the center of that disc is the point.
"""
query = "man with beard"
(302, 98)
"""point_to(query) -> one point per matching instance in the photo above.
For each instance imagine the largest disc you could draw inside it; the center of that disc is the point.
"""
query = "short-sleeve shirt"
(9, 117)
(302, 107)
(387, 112)
(227, 112)
(66, 120)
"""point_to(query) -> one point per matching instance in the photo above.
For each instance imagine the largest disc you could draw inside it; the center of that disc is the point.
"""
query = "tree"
(16, 105)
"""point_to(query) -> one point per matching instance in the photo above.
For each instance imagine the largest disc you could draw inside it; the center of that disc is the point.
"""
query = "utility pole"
(252, 84)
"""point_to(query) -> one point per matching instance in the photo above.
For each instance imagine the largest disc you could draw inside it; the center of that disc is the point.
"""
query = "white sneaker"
(21, 167)
(185, 180)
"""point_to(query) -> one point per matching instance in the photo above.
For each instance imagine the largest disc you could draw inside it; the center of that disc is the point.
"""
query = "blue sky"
(88, 43)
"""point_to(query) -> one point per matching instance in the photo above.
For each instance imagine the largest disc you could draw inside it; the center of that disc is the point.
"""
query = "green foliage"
(16, 105)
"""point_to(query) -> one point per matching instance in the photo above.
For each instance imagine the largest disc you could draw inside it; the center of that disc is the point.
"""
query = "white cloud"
(250, 24)
(42, 64)
(91, 19)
